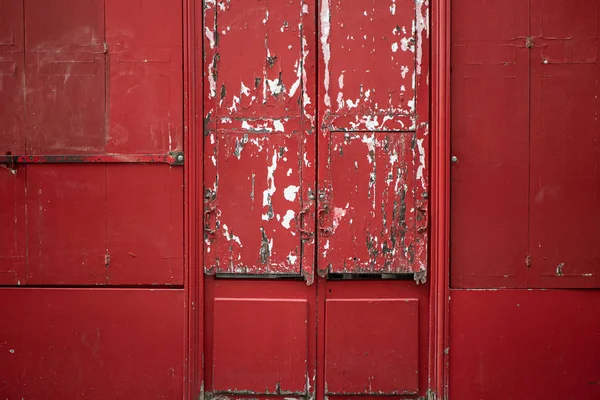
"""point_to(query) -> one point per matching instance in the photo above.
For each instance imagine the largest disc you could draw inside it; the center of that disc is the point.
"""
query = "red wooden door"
(315, 149)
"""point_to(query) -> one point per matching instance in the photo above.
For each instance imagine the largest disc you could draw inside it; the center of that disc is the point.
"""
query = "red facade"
(251, 199)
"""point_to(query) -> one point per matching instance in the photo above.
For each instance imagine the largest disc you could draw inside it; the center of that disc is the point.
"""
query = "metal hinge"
(528, 261)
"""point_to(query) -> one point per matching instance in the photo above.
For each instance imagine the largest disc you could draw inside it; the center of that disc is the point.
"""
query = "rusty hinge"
(529, 42)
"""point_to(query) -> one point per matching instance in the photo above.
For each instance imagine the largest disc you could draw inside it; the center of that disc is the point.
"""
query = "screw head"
(180, 157)
(454, 159)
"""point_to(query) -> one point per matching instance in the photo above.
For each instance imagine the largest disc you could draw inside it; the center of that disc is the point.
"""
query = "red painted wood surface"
(524, 344)
(526, 177)
(91, 343)
(258, 137)
(373, 105)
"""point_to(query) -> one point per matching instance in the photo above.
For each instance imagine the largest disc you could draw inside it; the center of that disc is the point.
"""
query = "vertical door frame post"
(440, 200)
(193, 173)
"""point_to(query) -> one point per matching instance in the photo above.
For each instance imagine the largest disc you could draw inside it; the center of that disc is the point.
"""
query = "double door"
(315, 197)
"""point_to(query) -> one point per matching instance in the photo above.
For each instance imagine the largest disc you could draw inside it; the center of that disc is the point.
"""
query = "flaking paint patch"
(287, 218)
(290, 192)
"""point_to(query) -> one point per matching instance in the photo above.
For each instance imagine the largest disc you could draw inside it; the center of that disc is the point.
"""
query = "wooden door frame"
(440, 199)
(193, 173)
(439, 184)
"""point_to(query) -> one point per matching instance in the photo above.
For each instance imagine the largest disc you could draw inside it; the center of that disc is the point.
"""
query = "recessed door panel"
(372, 224)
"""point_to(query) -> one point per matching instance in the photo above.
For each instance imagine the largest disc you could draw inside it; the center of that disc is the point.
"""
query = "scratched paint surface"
(372, 173)
(258, 137)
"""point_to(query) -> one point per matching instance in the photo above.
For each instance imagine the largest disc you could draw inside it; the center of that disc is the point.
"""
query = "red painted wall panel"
(91, 343)
(565, 144)
(92, 224)
(526, 176)
(524, 344)
(145, 87)
(65, 71)
(490, 129)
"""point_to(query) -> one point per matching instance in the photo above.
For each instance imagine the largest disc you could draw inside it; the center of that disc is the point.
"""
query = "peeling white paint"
(290, 192)
(292, 260)
(210, 36)
(306, 162)
(422, 25)
(270, 191)
(289, 172)
(393, 7)
(394, 47)
(278, 126)
(245, 90)
(229, 236)
(234, 103)
(211, 79)
(287, 218)
(421, 166)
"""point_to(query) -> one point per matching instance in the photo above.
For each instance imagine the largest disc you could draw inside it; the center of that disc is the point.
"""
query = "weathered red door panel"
(372, 221)
(370, 54)
(372, 346)
(242, 245)
(373, 143)
(65, 76)
(565, 149)
(490, 140)
(258, 143)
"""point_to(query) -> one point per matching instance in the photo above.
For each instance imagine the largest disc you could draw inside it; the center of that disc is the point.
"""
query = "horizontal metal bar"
(172, 158)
